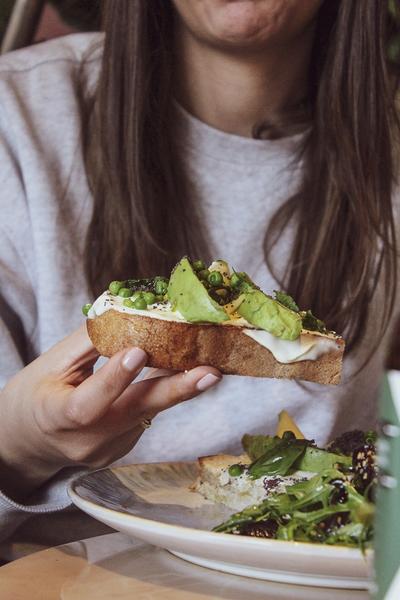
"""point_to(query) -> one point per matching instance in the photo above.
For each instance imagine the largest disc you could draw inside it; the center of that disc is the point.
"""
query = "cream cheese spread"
(308, 346)
(242, 491)
(160, 310)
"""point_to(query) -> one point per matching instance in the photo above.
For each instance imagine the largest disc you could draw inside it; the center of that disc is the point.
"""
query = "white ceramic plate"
(152, 502)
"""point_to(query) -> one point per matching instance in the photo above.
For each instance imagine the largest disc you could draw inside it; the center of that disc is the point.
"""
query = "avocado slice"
(264, 312)
(188, 295)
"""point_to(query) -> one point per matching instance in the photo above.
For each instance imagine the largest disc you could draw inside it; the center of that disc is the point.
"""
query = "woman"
(261, 131)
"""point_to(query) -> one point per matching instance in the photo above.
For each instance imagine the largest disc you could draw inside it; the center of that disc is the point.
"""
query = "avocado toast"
(214, 316)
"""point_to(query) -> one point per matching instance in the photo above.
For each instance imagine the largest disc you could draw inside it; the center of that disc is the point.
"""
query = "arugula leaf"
(286, 300)
(307, 512)
(311, 491)
(248, 514)
(350, 534)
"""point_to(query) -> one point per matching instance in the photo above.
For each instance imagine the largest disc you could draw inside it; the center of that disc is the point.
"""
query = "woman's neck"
(235, 91)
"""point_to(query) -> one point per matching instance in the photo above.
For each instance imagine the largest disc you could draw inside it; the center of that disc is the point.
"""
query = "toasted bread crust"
(220, 461)
(181, 346)
(212, 466)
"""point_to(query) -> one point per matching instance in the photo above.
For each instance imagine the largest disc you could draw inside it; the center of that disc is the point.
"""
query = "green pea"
(235, 280)
(160, 287)
(136, 294)
(128, 303)
(125, 292)
(86, 308)
(114, 287)
(235, 470)
(198, 265)
(149, 297)
(140, 303)
(215, 279)
(203, 274)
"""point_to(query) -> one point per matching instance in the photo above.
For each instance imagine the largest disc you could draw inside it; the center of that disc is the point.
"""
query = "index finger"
(93, 397)
(72, 352)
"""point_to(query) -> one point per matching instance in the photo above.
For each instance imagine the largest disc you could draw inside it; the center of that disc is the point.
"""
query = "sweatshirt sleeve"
(17, 265)
(50, 498)
(17, 310)
(18, 318)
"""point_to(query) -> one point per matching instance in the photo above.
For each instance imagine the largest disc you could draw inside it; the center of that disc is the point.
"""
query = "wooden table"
(114, 567)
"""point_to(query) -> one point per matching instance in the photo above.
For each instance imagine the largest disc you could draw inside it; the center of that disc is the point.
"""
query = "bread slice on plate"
(216, 484)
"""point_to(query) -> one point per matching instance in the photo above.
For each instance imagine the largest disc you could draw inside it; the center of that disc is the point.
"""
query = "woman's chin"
(249, 23)
(246, 23)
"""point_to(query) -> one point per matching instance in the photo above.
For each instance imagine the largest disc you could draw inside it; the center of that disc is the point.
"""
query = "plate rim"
(147, 524)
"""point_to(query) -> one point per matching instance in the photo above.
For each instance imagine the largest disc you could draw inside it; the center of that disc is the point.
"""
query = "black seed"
(364, 467)
(262, 529)
(339, 494)
(271, 484)
(333, 522)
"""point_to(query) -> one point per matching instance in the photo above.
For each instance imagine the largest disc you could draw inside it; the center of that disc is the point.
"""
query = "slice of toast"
(183, 346)
(212, 467)
(216, 484)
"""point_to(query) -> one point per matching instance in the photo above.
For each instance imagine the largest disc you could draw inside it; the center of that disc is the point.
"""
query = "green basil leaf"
(279, 458)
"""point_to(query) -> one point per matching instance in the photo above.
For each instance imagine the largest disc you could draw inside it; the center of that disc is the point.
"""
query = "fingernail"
(133, 359)
(207, 381)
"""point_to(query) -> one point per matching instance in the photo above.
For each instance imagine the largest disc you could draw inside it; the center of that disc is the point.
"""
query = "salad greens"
(280, 457)
(272, 455)
(316, 460)
(334, 506)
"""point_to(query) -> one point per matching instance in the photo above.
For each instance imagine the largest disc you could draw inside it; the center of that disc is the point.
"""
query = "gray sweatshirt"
(45, 208)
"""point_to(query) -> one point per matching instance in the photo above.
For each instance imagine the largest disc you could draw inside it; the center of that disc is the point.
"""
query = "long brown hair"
(144, 218)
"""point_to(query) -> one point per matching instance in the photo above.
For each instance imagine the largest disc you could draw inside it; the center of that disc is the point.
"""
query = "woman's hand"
(56, 412)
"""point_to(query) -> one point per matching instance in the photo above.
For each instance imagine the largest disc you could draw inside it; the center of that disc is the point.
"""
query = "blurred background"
(30, 21)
